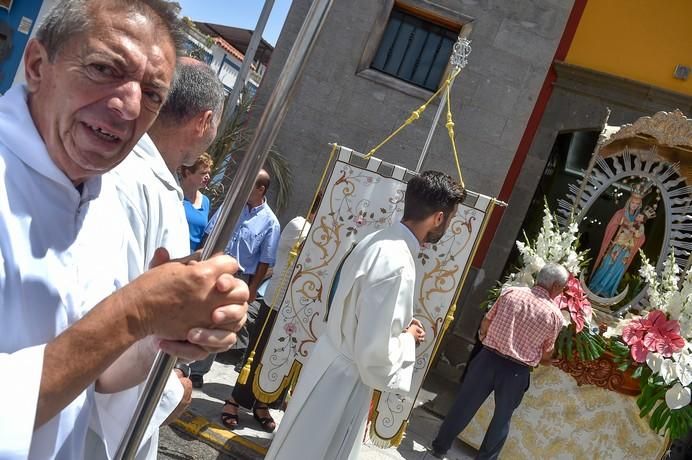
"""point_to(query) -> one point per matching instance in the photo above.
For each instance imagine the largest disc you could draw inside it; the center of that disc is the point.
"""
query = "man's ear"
(439, 218)
(35, 60)
(204, 122)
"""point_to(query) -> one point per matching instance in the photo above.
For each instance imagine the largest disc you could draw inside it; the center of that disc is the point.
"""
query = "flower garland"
(661, 339)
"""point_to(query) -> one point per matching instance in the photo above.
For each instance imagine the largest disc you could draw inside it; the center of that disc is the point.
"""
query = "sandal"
(268, 424)
(229, 420)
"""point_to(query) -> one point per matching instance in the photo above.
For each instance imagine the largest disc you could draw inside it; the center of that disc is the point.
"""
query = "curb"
(217, 436)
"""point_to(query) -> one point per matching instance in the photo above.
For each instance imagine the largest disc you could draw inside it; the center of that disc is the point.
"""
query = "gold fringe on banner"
(383, 443)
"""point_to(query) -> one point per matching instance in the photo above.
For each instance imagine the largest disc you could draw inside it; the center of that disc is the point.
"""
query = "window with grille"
(414, 50)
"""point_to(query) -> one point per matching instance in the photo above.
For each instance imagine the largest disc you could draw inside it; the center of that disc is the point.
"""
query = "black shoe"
(197, 381)
(437, 454)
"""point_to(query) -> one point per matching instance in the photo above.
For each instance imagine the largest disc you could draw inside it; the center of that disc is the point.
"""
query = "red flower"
(575, 301)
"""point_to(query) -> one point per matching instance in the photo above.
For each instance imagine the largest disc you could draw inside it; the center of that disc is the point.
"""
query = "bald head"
(263, 180)
(187, 60)
(260, 190)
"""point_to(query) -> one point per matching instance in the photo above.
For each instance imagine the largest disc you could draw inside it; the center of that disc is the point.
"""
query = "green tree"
(227, 152)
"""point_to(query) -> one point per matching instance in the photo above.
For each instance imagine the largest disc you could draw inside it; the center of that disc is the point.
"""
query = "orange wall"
(641, 40)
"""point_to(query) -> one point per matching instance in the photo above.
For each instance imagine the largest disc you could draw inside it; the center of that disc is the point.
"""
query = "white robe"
(363, 347)
(153, 202)
(60, 254)
(294, 232)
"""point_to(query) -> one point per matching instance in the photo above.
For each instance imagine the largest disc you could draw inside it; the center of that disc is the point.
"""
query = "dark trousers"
(243, 393)
(488, 372)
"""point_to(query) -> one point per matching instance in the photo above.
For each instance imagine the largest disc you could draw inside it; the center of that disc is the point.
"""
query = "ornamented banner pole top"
(458, 60)
(460, 53)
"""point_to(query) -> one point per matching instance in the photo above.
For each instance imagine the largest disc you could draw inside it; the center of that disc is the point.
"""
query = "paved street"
(248, 442)
(175, 444)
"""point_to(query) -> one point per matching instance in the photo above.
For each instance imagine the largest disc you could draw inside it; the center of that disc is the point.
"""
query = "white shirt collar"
(410, 238)
(146, 150)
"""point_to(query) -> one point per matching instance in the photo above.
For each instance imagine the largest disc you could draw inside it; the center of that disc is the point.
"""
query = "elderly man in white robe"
(370, 339)
(148, 189)
(97, 74)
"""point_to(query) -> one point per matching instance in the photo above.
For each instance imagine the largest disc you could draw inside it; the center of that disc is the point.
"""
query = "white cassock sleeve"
(19, 393)
(385, 355)
(113, 412)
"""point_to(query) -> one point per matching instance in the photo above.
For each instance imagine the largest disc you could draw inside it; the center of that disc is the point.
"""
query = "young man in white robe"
(97, 74)
(370, 339)
(147, 187)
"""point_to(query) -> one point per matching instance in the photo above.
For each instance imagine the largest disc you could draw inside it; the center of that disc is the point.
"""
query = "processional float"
(362, 194)
(633, 200)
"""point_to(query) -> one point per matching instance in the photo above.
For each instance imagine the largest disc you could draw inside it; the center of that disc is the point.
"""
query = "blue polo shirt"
(255, 237)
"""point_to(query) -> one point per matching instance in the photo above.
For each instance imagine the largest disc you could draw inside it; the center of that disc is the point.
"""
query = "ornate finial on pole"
(458, 60)
(460, 53)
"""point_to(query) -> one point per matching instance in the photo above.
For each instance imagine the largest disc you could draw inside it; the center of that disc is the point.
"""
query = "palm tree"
(228, 149)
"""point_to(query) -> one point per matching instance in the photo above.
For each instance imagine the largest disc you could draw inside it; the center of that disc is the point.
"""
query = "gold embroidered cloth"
(559, 420)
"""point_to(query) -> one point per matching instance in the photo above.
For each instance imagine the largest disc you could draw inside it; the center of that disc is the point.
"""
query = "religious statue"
(623, 237)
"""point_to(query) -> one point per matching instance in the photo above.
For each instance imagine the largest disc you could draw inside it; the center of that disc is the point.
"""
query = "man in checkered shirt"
(517, 334)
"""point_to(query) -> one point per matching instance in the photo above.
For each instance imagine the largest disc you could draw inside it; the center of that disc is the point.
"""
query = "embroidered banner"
(363, 196)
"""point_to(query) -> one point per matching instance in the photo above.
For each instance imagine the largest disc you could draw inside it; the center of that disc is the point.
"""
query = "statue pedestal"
(558, 419)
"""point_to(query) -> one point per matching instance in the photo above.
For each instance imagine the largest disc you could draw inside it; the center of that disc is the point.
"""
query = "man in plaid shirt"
(517, 334)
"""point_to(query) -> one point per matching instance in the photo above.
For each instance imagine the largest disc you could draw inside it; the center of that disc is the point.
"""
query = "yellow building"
(639, 40)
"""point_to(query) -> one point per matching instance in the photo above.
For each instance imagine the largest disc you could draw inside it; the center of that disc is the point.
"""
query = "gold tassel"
(245, 371)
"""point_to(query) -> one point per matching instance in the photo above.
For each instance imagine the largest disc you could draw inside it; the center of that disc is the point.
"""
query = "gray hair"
(552, 274)
(69, 18)
(195, 89)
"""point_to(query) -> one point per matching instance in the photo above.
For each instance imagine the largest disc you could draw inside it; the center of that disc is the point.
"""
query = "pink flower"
(575, 301)
(634, 331)
(664, 335)
(653, 333)
(290, 328)
(639, 352)
(359, 221)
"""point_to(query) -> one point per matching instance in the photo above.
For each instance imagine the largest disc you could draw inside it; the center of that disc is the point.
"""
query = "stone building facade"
(341, 99)
(538, 69)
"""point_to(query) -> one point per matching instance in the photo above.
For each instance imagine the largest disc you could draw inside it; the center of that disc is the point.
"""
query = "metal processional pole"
(458, 60)
(230, 210)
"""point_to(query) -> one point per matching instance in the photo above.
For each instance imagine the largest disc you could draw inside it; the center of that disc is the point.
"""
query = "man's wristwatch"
(184, 368)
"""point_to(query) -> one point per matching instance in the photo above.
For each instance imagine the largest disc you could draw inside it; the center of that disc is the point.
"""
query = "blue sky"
(237, 13)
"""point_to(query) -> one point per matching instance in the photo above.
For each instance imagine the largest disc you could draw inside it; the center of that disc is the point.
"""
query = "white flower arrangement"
(670, 293)
(672, 296)
(556, 245)
(552, 245)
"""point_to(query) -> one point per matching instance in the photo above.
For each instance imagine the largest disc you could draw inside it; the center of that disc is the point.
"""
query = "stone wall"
(513, 47)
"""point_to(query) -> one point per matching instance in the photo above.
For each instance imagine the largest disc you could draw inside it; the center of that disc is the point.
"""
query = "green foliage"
(587, 345)
(493, 295)
(673, 422)
(228, 149)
